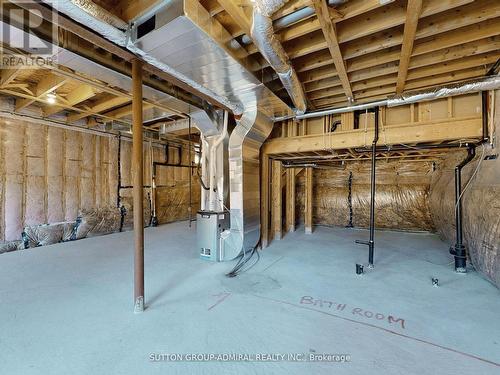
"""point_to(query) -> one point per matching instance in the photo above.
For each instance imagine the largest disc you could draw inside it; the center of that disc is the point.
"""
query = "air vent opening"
(146, 27)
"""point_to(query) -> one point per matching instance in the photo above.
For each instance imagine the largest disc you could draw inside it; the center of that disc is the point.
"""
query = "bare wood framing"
(425, 131)
(413, 11)
(290, 200)
(277, 207)
(264, 201)
(330, 34)
(308, 200)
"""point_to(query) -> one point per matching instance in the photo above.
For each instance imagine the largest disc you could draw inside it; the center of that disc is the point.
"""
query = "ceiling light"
(51, 98)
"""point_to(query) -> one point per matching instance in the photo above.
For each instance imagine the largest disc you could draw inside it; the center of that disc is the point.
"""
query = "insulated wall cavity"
(49, 174)
(401, 200)
(481, 201)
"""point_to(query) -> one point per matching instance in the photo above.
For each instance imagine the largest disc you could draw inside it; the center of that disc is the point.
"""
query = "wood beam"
(8, 75)
(413, 10)
(98, 107)
(126, 110)
(450, 66)
(330, 34)
(424, 131)
(308, 210)
(472, 22)
(49, 83)
(385, 18)
(277, 207)
(86, 112)
(440, 79)
(137, 178)
(79, 95)
(236, 12)
(264, 202)
(290, 200)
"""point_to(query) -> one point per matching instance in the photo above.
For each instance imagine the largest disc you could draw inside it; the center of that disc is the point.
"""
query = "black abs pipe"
(459, 249)
(371, 242)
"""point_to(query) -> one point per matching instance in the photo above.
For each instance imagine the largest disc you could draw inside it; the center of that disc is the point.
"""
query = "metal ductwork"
(294, 17)
(97, 11)
(97, 20)
(177, 38)
(270, 47)
(244, 170)
(458, 88)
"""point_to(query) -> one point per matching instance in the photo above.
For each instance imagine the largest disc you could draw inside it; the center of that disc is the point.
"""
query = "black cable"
(201, 179)
(349, 201)
(243, 260)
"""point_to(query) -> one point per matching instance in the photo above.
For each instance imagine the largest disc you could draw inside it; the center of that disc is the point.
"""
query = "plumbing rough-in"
(459, 249)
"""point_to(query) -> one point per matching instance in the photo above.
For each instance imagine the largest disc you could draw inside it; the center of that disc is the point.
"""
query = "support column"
(264, 202)
(137, 178)
(290, 200)
(277, 201)
(308, 200)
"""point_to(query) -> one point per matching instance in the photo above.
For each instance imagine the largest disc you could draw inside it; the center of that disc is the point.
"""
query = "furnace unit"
(209, 226)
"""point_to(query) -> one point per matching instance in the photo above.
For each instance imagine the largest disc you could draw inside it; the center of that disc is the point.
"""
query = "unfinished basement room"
(250, 187)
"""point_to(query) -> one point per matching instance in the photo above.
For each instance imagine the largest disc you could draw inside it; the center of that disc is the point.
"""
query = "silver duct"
(98, 22)
(297, 16)
(96, 11)
(270, 47)
(458, 88)
(244, 169)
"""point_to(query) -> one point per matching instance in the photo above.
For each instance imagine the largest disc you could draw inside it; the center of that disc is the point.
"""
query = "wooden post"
(308, 200)
(264, 202)
(290, 200)
(137, 178)
(277, 202)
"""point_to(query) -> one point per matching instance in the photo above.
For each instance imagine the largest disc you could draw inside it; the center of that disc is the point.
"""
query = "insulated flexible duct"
(270, 47)
(458, 88)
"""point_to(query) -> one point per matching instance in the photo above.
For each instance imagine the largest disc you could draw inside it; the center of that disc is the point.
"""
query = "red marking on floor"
(383, 329)
(224, 296)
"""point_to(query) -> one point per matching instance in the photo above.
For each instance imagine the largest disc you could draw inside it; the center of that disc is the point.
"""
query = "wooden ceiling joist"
(48, 84)
(413, 11)
(8, 75)
(237, 13)
(330, 34)
(99, 107)
(77, 96)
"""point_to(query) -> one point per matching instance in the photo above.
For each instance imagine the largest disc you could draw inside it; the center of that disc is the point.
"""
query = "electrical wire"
(201, 179)
(239, 268)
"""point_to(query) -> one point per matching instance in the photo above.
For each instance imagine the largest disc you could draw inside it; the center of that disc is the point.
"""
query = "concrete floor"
(67, 308)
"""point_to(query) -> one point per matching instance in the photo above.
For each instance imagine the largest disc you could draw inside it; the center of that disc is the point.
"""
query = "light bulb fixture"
(51, 98)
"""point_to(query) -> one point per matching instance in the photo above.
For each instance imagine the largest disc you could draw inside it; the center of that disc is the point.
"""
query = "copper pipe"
(137, 178)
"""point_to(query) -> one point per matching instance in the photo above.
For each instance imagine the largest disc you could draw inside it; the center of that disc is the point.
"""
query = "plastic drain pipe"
(371, 242)
(459, 249)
